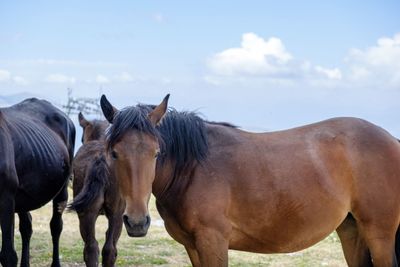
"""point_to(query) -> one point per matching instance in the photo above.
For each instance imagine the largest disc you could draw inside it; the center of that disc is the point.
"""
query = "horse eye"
(157, 154)
(114, 155)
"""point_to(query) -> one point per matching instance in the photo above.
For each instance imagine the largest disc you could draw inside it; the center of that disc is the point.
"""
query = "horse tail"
(95, 184)
(397, 245)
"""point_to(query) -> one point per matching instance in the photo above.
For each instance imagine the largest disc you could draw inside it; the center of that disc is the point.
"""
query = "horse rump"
(95, 184)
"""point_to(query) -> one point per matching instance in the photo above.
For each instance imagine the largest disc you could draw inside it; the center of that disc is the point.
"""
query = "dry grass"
(158, 248)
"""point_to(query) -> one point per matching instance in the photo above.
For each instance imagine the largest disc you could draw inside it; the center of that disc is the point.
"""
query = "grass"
(158, 248)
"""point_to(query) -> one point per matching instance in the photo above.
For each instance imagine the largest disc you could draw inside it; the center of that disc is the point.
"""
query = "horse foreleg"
(212, 247)
(109, 252)
(8, 256)
(25, 228)
(56, 223)
(354, 247)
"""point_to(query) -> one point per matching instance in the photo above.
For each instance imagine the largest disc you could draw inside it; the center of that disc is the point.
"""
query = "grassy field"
(158, 248)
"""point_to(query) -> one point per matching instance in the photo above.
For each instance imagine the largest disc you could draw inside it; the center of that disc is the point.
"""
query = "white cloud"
(5, 75)
(60, 78)
(268, 61)
(62, 63)
(334, 74)
(378, 64)
(20, 80)
(385, 53)
(256, 56)
(124, 77)
(102, 79)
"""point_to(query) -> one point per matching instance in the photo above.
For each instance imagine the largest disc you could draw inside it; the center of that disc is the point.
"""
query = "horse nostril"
(148, 220)
(126, 220)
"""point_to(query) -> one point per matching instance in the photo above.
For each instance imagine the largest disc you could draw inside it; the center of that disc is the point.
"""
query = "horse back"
(342, 152)
(52, 117)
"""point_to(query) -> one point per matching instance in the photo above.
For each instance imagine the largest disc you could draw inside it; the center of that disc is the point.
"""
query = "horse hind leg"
(380, 240)
(87, 228)
(374, 237)
(8, 189)
(8, 256)
(193, 256)
(354, 246)
(87, 224)
(25, 228)
(109, 251)
(397, 245)
(56, 223)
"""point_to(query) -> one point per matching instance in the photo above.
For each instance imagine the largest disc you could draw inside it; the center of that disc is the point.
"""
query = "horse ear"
(159, 111)
(109, 110)
(83, 122)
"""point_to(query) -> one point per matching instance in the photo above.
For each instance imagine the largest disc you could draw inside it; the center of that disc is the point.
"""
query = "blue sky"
(263, 65)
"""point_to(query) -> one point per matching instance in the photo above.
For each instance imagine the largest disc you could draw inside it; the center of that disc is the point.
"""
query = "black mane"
(181, 135)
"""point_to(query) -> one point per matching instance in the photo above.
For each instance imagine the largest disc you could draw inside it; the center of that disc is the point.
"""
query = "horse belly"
(41, 183)
(286, 235)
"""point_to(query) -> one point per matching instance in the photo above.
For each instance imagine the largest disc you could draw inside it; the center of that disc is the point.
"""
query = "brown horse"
(96, 192)
(92, 130)
(219, 188)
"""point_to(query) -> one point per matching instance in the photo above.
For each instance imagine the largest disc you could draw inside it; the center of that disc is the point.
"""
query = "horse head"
(132, 148)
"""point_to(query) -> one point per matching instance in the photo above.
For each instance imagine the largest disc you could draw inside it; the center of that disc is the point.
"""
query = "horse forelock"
(127, 119)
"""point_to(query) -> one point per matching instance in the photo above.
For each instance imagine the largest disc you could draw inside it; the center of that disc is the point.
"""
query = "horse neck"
(168, 185)
(99, 129)
(169, 188)
(163, 179)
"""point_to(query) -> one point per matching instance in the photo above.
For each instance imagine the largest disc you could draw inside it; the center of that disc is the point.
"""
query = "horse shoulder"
(175, 226)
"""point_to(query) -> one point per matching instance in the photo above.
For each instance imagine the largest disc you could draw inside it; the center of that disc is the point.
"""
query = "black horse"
(36, 151)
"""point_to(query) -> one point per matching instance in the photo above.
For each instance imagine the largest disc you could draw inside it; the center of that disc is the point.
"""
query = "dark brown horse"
(93, 129)
(219, 188)
(36, 151)
(96, 192)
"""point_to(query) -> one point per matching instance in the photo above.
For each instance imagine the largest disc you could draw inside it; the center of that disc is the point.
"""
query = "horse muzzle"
(136, 228)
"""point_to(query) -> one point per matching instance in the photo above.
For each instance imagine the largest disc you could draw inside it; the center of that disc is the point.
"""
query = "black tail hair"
(96, 181)
(397, 245)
